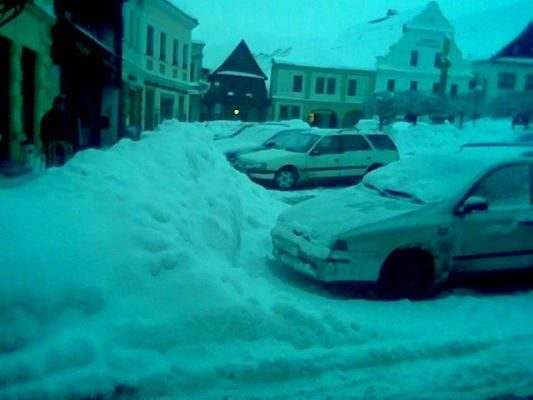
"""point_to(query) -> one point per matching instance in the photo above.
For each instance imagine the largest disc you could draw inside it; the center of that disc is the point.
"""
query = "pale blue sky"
(269, 24)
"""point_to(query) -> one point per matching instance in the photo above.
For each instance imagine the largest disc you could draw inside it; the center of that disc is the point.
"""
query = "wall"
(488, 72)
(31, 30)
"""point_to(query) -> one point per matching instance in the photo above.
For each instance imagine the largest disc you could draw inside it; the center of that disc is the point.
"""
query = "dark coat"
(54, 126)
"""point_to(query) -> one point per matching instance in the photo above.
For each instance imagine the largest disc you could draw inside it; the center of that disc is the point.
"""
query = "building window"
(320, 85)
(150, 41)
(295, 112)
(414, 58)
(438, 60)
(529, 83)
(413, 85)
(185, 56)
(163, 46)
(297, 83)
(436, 87)
(284, 112)
(352, 87)
(175, 51)
(506, 81)
(454, 90)
(332, 83)
(391, 83)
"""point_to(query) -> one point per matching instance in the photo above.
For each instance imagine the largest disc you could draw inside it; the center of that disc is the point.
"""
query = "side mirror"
(315, 153)
(474, 203)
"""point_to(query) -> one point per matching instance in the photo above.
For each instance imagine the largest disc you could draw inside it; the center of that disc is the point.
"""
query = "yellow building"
(32, 79)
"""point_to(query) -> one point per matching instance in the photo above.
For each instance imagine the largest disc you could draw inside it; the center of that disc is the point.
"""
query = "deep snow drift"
(145, 270)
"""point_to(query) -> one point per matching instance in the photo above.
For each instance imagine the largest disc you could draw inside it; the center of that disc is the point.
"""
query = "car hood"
(323, 219)
(265, 155)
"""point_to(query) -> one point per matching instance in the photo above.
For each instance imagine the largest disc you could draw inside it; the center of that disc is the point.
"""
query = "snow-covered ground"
(144, 271)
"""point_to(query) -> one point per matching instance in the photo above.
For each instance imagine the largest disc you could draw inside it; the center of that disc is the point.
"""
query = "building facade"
(29, 80)
(324, 97)
(426, 58)
(87, 46)
(159, 77)
(508, 71)
(237, 88)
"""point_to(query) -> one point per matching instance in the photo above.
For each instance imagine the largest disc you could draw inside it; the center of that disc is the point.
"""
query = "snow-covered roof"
(241, 74)
(479, 36)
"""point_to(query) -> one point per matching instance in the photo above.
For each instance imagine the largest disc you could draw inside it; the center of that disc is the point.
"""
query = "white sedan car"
(408, 226)
(318, 154)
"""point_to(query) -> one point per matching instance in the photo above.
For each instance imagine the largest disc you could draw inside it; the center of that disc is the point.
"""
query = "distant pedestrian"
(54, 134)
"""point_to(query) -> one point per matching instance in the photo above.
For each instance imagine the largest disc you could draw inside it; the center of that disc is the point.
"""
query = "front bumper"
(317, 262)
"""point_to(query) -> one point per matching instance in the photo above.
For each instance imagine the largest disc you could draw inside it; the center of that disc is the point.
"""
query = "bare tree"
(465, 105)
(384, 105)
(412, 104)
(517, 105)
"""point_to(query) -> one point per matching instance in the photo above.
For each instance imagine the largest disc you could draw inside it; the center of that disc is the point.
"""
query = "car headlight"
(254, 166)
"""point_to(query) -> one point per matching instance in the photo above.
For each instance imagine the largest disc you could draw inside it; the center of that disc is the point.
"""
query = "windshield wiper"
(394, 193)
(375, 188)
(403, 195)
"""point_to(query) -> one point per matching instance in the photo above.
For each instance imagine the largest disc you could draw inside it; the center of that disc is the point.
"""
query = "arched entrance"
(322, 118)
(351, 118)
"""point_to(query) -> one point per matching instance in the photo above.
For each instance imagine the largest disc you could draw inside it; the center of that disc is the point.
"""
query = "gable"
(241, 62)
(521, 46)
(431, 18)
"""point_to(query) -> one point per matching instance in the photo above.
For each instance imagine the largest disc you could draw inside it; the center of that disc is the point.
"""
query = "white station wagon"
(318, 154)
(408, 226)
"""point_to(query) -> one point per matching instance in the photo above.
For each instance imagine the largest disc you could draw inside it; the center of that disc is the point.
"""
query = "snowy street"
(145, 271)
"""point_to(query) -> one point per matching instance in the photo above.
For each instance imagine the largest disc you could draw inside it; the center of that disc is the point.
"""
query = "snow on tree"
(465, 105)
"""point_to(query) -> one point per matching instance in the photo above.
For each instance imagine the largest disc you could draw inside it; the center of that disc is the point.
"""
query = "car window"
(506, 187)
(381, 142)
(354, 143)
(329, 145)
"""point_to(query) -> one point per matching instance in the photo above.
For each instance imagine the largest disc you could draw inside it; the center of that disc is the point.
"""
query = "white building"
(509, 70)
(157, 65)
(415, 61)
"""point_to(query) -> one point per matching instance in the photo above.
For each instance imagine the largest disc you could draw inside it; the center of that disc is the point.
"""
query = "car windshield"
(294, 141)
(416, 179)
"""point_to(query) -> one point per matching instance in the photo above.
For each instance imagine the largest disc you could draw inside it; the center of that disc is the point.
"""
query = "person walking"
(57, 146)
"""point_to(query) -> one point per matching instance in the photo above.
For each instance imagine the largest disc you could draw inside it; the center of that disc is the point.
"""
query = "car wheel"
(406, 274)
(286, 178)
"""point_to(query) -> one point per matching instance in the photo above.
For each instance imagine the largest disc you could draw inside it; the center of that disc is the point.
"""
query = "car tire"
(286, 178)
(406, 274)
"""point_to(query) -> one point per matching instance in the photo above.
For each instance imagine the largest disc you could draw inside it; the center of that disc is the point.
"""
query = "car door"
(356, 155)
(323, 160)
(500, 237)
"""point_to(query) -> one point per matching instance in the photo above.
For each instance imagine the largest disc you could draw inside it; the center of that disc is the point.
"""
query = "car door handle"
(369, 158)
(336, 159)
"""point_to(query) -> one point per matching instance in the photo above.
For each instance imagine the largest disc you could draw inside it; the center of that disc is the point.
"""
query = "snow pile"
(144, 271)
(120, 258)
(428, 138)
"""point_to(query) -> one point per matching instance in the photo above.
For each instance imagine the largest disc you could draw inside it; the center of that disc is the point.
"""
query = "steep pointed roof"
(521, 46)
(431, 18)
(241, 62)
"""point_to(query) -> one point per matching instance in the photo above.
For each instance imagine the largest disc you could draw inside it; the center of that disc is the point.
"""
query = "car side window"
(329, 145)
(382, 142)
(354, 143)
(506, 187)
